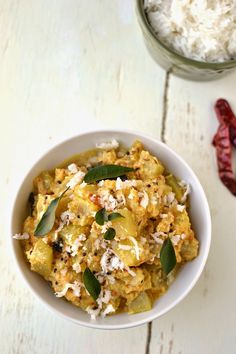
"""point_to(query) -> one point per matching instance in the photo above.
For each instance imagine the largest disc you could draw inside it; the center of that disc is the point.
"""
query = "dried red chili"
(232, 133)
(226, 116)
(226, 134)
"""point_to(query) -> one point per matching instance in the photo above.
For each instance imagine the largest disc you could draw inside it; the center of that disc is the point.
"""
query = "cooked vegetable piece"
(127, 257)
(173, 183)
(182, 223)
(128, 253)
(140, 304)
(150, 166)
(125, 226)
(83, 207)
(73, 230)
(189, 250)
(43, 183)
(41, 258)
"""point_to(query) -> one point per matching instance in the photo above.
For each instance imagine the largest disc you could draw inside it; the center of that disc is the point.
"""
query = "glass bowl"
(176, 63)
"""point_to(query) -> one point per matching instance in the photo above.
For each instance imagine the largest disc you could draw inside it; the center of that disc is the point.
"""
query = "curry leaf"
(91, 284)
(114, 216)
(106, 171)
(167, 256)
(110, 234)
(101, 216)
(47, 221)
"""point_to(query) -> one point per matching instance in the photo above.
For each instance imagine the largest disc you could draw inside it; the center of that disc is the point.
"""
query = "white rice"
(203, 30)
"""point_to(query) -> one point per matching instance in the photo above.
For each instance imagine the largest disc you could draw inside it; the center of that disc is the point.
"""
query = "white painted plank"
(66, 66)
(28, 327)
(205, 321)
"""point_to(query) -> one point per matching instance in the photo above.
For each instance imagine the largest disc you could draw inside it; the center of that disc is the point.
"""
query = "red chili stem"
(224, 113)
(226, 116)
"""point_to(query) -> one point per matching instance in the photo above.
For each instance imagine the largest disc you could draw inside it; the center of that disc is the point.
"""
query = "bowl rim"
(189, 61)
(149, 317)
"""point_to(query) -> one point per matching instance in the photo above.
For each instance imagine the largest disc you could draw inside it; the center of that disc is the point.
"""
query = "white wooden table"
(68, 66)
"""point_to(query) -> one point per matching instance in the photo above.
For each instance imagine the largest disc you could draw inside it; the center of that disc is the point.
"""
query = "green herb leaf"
(47, 221)
(114, 216)
(101, 216)
(110, 234)
(167, 256)
(91, 284)
(106, 171)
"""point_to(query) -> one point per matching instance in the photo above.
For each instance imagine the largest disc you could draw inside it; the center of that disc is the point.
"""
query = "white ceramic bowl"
(200, 217)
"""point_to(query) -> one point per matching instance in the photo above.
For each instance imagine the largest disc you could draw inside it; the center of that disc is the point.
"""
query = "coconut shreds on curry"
(144, 208)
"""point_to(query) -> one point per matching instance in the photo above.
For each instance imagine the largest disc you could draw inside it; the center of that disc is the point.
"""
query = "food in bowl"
(200, 30)
(109, 229)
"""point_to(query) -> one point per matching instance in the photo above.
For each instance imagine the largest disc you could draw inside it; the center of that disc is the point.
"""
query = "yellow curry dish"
(109, 229)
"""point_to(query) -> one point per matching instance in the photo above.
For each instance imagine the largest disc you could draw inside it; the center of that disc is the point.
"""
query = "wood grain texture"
(66, 66)
(204, 321)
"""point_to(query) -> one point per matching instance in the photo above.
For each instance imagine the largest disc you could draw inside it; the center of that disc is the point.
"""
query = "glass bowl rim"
(203, 64)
